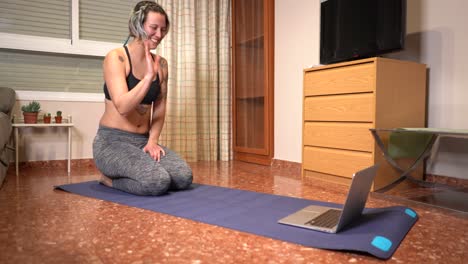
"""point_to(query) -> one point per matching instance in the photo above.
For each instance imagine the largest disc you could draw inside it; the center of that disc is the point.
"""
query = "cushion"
(5, 129)
(7, 100)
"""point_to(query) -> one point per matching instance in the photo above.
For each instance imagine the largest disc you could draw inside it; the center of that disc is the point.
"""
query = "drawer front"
(350, 79)
(351, 136)
(337, 162)
(350, 107)
(310, 177)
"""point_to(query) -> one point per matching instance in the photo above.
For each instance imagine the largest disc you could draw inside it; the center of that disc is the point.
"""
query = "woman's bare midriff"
(137, 121)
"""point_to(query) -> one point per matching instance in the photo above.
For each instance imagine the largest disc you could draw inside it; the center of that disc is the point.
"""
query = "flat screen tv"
(356, 29)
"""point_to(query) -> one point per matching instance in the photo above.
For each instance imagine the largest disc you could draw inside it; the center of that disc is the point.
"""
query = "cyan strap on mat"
(378, 232)
(404, 144)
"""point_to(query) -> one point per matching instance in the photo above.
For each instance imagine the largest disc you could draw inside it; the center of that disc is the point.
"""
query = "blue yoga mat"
(378, 232)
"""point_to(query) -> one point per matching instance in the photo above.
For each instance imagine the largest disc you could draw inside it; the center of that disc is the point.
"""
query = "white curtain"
(197, 48)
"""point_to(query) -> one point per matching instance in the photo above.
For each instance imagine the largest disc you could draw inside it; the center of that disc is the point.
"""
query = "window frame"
(73, 46)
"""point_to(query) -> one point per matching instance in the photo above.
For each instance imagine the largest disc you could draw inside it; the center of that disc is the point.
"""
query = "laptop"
(331, 219)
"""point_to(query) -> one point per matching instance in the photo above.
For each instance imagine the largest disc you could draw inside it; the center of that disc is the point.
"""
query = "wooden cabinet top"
(362, 61)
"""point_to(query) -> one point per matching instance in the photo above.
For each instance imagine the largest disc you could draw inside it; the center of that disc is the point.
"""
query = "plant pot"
(58, 119)
(30, 117)
(47, 119)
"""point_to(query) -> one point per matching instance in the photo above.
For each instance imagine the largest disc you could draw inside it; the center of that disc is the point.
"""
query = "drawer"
(311, 176)
(337, 162)
(350, 79)
(350, 107)
(351, 136)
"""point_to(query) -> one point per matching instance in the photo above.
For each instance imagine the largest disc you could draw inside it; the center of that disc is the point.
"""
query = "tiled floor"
(41, 225)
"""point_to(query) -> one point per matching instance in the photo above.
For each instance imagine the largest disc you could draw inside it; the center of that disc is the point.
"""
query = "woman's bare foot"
(106, 181)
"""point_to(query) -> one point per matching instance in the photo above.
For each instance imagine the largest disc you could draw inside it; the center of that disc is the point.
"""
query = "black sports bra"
(153, 92)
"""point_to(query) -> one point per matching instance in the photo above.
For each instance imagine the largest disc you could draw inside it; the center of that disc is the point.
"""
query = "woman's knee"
(156, 183)
(182, 178)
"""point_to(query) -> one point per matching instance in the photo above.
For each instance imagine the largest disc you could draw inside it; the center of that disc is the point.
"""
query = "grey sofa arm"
(7, 100)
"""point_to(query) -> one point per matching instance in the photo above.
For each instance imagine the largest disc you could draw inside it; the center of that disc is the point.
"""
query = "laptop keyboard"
(328, 219)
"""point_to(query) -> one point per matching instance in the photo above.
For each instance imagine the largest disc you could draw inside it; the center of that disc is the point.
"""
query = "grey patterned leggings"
(119, 155)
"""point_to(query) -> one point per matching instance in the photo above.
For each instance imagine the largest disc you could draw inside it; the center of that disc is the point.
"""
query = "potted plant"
(47, 118)
(30, 112)
(58, 117)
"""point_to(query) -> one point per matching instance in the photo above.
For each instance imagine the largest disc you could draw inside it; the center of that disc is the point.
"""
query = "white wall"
(437, 36)
(296, 48)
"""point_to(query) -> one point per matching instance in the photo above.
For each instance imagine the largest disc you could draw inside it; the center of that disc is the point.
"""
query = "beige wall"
(437, 36)
(296, 48)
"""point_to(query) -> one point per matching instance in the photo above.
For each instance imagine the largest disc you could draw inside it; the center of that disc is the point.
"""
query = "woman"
(126, 148)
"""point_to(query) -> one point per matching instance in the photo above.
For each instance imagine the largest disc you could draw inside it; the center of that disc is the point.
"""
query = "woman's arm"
(115, 78)
(159, 115)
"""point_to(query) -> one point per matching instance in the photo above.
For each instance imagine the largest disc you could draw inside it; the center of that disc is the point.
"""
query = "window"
(45, 18)
(80, 27)
(105, 20)
(38, 71)
(58, 45)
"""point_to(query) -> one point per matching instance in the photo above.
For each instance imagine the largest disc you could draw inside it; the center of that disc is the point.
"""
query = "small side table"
(17, 124)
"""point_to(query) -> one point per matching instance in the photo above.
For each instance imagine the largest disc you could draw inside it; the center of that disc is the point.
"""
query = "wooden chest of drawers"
(343, 101)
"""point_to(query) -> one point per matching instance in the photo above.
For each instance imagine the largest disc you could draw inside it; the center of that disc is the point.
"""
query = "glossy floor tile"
(39, 224)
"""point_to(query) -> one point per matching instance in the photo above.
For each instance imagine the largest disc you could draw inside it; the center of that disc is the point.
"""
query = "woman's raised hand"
(150, 72)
